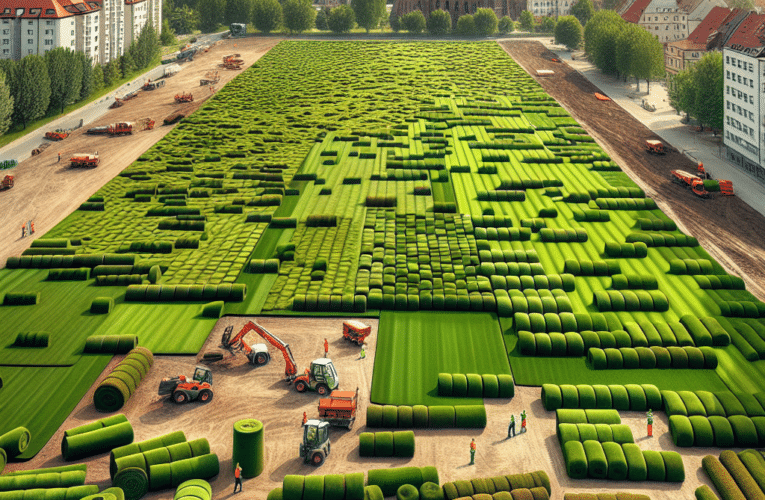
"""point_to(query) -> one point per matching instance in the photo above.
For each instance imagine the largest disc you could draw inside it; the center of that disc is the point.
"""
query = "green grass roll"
(673, 465)
(373, 492)
(133, 481)
(576, 460)
(636, 465)
(597, 465)
(3, 459)
(431, 491)
(367, 444)
(444, 384)
(551, 397)
(149, 444)
(617, 462)
(313, 488)
(97, 441)
(470, 416)
(198, 488)
(249, 447)
(43, 480)
(15, 442)
(389, 480)
(383, 444)
(202, 467)
(354, 486)
(655, 465)
(293, 486)
(440, 417)
(403, 444)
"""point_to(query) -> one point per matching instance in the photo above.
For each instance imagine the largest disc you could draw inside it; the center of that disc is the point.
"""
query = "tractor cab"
(202, 374)
(315, 446)
(323, 372)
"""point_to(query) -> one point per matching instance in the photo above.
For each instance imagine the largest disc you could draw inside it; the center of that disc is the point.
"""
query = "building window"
(6, 51)
(72, 32)
(727, 60)
(30, 41)
(6, 32)
(49, 23)
(49, 12)
(6, 41)
(31, 23)
(751, 68)
(30, 32)
(72, 44)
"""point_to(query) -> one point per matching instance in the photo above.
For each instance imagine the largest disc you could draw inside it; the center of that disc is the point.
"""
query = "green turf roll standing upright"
(15, 442)
(249, 447)
(134, 482)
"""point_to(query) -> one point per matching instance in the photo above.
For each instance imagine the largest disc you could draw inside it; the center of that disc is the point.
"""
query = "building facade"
(744, 112)
(680, 55)
(670, 20)
(550, 8)
(456, 8)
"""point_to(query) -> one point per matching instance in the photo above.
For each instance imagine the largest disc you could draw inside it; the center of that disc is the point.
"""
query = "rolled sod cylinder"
(431, 491)
(112, 432)
(133, 481)
(149, 444)
(164, 455)
(162, 476)
(389, 480)
(44, 480)
(107, 494)
(120, 384)
(15, 442)
(73, 493)
(63, 468)
(110, 344)
(3, 459)
(193, 488)
(276, 494)
(249, 447)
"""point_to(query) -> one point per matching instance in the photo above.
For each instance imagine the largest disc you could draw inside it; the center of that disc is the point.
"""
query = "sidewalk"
(665, 122)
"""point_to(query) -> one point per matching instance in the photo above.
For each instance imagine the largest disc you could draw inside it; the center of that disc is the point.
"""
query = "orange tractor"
(7, 182)
(340, 408)
(655, 147)
(184, 97)
(356, 331)
(84, 160)
(58, 135)
(689, 180)
(182, 389)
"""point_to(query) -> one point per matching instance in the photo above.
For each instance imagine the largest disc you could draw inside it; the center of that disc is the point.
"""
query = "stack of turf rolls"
(96, 437)
(121, 383)
(329, 487)
(13, 443)
(389, 480)
(193, 489)
(530, 485)
(110, 344)
(72, 493)
(249, 447)
(32, 339)
(619, 495)
(164, 466)
(55, 477)
(473, 385)
(630, 358)
(731, 477)
(629, 397)
(398, 444)
(419, 416)
(594, 451)
(117, 454)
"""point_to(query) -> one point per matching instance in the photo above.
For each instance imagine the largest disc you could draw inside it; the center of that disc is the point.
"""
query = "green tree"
(97, 78)
(184, 19)
(413, 22)
(299, 15)
(394, 21)
(439, 22)
(466, 25)
(681, 91)
(112, 72)
(74, 76)
(168, 35)
(266, 15)
(126, 65)
(600, 35)
(708, 83)
(368, 12)
(341, 19)
(583, 10)
(624, 52)
(505, 25)
(210, 14)
(56, 61)
(321, 19)
(527, 21)
(147, 47)
(485, 22)
(610, 4)
(6, 106)
(237, 11)
(547, 25)
(86, 63)
(568, 31)
(741, 4)
(32, 85)
(649, 58)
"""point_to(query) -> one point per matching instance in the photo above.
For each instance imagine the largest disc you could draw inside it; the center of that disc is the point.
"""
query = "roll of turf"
(597, 464)
(373, 492)
(354, 486)
(249, 447)
(576, 460)
(47, 470)
(15, 442)
(293, 486)
(3, 459)
(383, 444)
(617, 462)
(390, 479)
(73, 493)
(133, 481)
(551, 397)
(673, 465)
(431, 491)
(43, 480)
(198, 488)
(107, 494)
(149, 444)
(407, 492)
(110, 344)
(202, 467)
(636, 465)
(313, 488)
(119, 385)
(334, 487)
(367, 444)
(96, 441)
(403, 444)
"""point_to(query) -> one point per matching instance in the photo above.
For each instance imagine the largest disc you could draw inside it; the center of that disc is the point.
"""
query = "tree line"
(698, 91)
(38, 86)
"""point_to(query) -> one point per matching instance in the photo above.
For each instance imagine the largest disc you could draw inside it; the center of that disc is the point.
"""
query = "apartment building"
(680, 55)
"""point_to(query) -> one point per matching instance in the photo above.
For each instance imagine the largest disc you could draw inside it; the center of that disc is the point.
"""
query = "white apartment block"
(102, 29)
(550, 8)
(744, 125)
(670, 20)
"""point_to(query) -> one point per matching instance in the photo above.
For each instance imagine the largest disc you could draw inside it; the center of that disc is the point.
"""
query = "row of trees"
(698, 91)
(625, 49)
(38, 86)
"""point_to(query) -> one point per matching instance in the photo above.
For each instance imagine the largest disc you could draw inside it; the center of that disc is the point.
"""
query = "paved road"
(665, 122)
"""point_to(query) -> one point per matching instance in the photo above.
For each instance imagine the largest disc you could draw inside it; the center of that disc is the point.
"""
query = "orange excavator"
(321, 377)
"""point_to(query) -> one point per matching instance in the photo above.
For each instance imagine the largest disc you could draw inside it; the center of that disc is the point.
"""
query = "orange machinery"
(7, 182)
(84, 160)
(690, 180)
(356, 331)
(340, 408)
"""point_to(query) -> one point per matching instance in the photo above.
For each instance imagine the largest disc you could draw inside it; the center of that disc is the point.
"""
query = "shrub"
(466, 25)
(341, 19)
(744, 431)
(551, 397)
(636, 464)
(439, 22)
(617, 462)
(413, 22)
(681, 430)
(101, 305)
(655, 465)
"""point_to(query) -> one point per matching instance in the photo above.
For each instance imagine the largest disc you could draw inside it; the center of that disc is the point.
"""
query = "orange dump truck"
(340, 408)
(356, 331)
(84, 160)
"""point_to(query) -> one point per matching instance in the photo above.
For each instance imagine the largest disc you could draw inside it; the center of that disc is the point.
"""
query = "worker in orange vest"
(238, 478)
(649, 420)
(305, 418)
(326, 348)
(472, 452)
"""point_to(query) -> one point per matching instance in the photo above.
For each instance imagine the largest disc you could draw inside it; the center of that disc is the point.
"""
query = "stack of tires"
(114, 391)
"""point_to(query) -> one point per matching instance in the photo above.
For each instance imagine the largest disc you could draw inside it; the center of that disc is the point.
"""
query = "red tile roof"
(697, 40)
(750, 33)
(635, 11)
(33, 9)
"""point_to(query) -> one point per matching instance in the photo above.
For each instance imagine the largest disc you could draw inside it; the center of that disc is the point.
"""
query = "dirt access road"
(726, 227)
(46, 190)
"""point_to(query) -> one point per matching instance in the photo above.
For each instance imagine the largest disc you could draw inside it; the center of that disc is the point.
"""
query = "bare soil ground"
(726, 227)
(46, 190)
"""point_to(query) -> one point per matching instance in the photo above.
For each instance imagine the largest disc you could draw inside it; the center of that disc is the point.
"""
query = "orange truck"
(86, 160)
(356, 331)
(340, 408)
(58, 135)
(7, 182)
(654, 147)
(184, 97)
(691, 181)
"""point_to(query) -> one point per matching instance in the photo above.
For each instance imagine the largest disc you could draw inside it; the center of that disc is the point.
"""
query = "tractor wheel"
(180, 397)
(261, 359)
(322, 389)
(300, 386)
(205, 395)
(317, 459)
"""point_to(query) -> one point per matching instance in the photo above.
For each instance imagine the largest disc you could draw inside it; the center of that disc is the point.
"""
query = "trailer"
(119, 128)
(86, 160)
(184, 97)
(58, 135)
(340, 408)
(153, 85)
(356, 331)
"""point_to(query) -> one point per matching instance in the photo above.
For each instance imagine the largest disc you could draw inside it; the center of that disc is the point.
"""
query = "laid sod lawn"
(414, 347)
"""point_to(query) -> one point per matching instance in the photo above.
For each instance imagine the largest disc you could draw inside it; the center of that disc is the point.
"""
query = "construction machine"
(58, 135)
(320, 377)
(7, 182)
(153, 85)
(691, 181)
(238, 30)
(84, 160)
(340, 408)
(123, 128)
(211, 78)
(315, 446)
(232, 61)
(186, 55)
(182, 389)
(655, 147)
(184, 97)
(356, 331)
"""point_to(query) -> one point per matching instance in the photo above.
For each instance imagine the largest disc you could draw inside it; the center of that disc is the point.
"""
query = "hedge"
(32, 339)
(629, 358)
(110, 344)
(102, 305)
(537, 480)
(597, 464)
(96, 437)
(681, 430)
(673, 467)
(755, 464)
(655, 465)
(576, 459)
(465, 416)
(21, 299)
(69, 274)
(704, 492)
(483, 386)
(112, 393)
(721, 478)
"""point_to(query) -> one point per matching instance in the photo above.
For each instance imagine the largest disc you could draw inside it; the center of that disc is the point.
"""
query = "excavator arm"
(291, 367)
